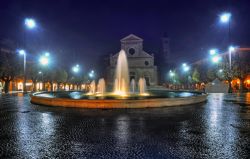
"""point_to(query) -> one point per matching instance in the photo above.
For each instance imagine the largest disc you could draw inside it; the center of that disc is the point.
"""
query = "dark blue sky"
(83, 31)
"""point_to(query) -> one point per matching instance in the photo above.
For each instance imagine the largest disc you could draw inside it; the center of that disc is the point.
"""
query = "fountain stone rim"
(117, 103)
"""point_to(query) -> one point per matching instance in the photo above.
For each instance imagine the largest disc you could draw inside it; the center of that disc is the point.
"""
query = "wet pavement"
(216, 129)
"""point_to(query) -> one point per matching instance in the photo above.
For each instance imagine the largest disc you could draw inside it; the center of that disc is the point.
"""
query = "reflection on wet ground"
(216, 129)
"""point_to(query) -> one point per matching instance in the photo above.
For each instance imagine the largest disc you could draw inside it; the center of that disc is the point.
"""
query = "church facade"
(140, 63)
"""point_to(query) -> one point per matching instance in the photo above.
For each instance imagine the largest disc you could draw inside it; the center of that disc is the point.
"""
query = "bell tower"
(166, 49)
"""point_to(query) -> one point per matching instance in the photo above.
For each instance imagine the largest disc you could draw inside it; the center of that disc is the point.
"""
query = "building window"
(146, 63)
(131, 51)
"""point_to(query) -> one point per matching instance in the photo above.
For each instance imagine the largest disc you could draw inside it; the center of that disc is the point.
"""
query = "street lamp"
(41, 73)
(230, 50)
(216, 59)
(214, 56)
(23, 53)
(172, 76)
(171, 73)
(44, 59)
(30, 23)
(91, 74)
(76, 68)
(213, 52)
(225, 17)
(185, 67)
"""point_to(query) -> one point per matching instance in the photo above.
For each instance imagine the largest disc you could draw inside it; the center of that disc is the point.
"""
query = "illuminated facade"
(140, 63)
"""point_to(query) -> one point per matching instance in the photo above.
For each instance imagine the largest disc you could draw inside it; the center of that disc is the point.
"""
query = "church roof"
(131, 37)
(143, 54)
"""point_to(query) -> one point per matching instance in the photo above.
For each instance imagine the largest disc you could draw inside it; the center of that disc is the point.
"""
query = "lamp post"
(23, 53)
(172, 76)
(214, 56)
(76, 68)
(92, 74)
(186, 68)
(41, 73)
(44, 61)
(30, 23)
(226, 19)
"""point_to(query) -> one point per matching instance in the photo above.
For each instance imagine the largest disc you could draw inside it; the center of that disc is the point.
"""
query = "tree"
(211, 75)
(196, 76)
(33, 73)
(61, 77)
(238, 70)
(9, 68)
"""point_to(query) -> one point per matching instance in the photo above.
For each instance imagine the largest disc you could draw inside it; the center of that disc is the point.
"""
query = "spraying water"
(92, 88)
(142, 86)
(121, 77)
(132, 86)
(101, 86)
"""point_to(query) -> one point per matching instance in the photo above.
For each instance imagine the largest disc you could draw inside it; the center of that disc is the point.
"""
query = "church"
(140, 63)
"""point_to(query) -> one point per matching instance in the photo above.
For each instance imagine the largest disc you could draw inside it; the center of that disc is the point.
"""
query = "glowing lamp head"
(220, 70)
(39, 72)
(21, 52)
(30, 23)
(171, 74)
(231, 48)
(184, 65)
(212, 52)
(187, 68)
(216, 59)
(44, 60)
(76, 69)
(47, 54)
(91, 75)
(225, 17)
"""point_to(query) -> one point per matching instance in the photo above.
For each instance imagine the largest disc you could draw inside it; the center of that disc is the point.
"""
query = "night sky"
(84, 31)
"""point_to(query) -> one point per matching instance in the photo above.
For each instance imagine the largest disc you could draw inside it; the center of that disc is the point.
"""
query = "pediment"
(131, 37)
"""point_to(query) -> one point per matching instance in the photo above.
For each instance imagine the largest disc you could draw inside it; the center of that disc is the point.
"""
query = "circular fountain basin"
(83, 100)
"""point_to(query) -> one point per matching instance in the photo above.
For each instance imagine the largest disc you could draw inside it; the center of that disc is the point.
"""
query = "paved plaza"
(215, 129)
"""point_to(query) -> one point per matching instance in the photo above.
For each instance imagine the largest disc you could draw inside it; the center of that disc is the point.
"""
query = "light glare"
(30, 23)
(212, 51)
(231, 48)
(76, 68)
(216, 59)
(21, 52)
(44, 60)
(225, 17)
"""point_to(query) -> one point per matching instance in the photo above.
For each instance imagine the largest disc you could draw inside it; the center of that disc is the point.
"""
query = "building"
(140, 63)
(166, 49)
(164, 61)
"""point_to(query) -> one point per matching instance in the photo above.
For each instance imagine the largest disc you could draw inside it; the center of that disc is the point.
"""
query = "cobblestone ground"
(216, 129)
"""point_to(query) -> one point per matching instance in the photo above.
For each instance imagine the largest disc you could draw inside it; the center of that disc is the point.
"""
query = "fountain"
(121, 76)
(132, 86)
(92, 88)
(142, 86)
(101, 86)
(121, 97)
